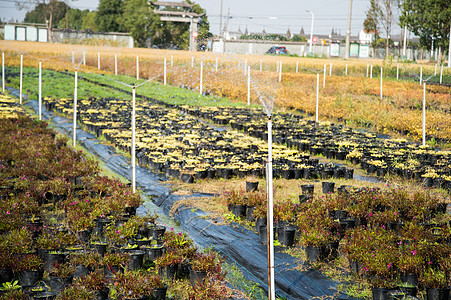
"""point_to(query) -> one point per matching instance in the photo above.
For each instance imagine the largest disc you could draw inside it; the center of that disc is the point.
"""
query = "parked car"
(277, 50)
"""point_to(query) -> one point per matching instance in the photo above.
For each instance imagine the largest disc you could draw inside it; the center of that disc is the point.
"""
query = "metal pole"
(270, 227)
(371, 71)
(133, 141)
(324, 76)
(441, 74)
(137, 67)
(40, 91)
(3, 71)
(311, 32)
(424, 114)
(421, 75)
(397, 71)
(164, 72)
(192, 61)
(381, 82)
(75, 110)
(297, 66)
(115, 64)
(280, 72)
(220, 21)
(249, 85)
(348, 31)
(201, 77)
(172, 60)
(21, 79)
(346, 71)
(330, 71)
(98, 60)
(216, 65)
(317, 97)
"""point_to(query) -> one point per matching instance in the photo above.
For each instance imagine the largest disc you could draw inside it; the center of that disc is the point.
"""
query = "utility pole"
(227, 21)
(220, 21)
(348, 31)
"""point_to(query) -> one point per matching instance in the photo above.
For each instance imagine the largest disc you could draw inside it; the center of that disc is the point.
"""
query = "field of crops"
(385, 234)
(353, 98)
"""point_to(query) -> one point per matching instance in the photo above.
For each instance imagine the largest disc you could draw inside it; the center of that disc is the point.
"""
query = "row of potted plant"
(394, 239)
(77, 232)
(185, 147)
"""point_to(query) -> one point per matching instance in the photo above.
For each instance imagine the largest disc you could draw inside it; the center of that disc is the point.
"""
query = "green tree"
(428, 19)
(89, 21)
(370, 23)
(139, 20)
(73, 19)
(51, 12)
(109, 12)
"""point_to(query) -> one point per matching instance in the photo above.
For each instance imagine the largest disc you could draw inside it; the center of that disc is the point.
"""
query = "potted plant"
(168, 264)
(96, 282)
(76, 292)
(30, 268)
(133, 285)
(61, 276)
(436, 283)
(12, 291)
(204, 264)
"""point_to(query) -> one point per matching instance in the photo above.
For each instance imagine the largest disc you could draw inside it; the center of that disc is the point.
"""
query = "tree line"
(135, 17)
(430, 20)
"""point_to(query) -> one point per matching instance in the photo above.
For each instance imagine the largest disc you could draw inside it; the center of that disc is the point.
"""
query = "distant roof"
(172, 4)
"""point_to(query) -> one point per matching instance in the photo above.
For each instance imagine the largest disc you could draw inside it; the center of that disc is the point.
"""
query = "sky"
(257, 15)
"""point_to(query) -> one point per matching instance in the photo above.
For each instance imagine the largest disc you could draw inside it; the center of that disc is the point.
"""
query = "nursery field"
(350, 94)
(370, 212)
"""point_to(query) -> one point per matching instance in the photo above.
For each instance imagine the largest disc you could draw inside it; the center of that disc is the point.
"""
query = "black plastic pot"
(159, 293)
(409, 291)
(102, 295)
(307, 189)
(315, 253)
(381, 293)
(30, 278)
(263, 235)
(158, 232)
(99, 247)
(251, 186)
(249, 213)
(328, 187)
(286, 236)
(136, 259)
(84, 235)
(187, 178)
(6, 275)
(239, 211)
(168, 272)
(196, 277)
(260, 222)
(44, 295)
(349, 174)
(101, 224)
(437, 294)
(57, 284)
(53, 258)
(153, 251)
